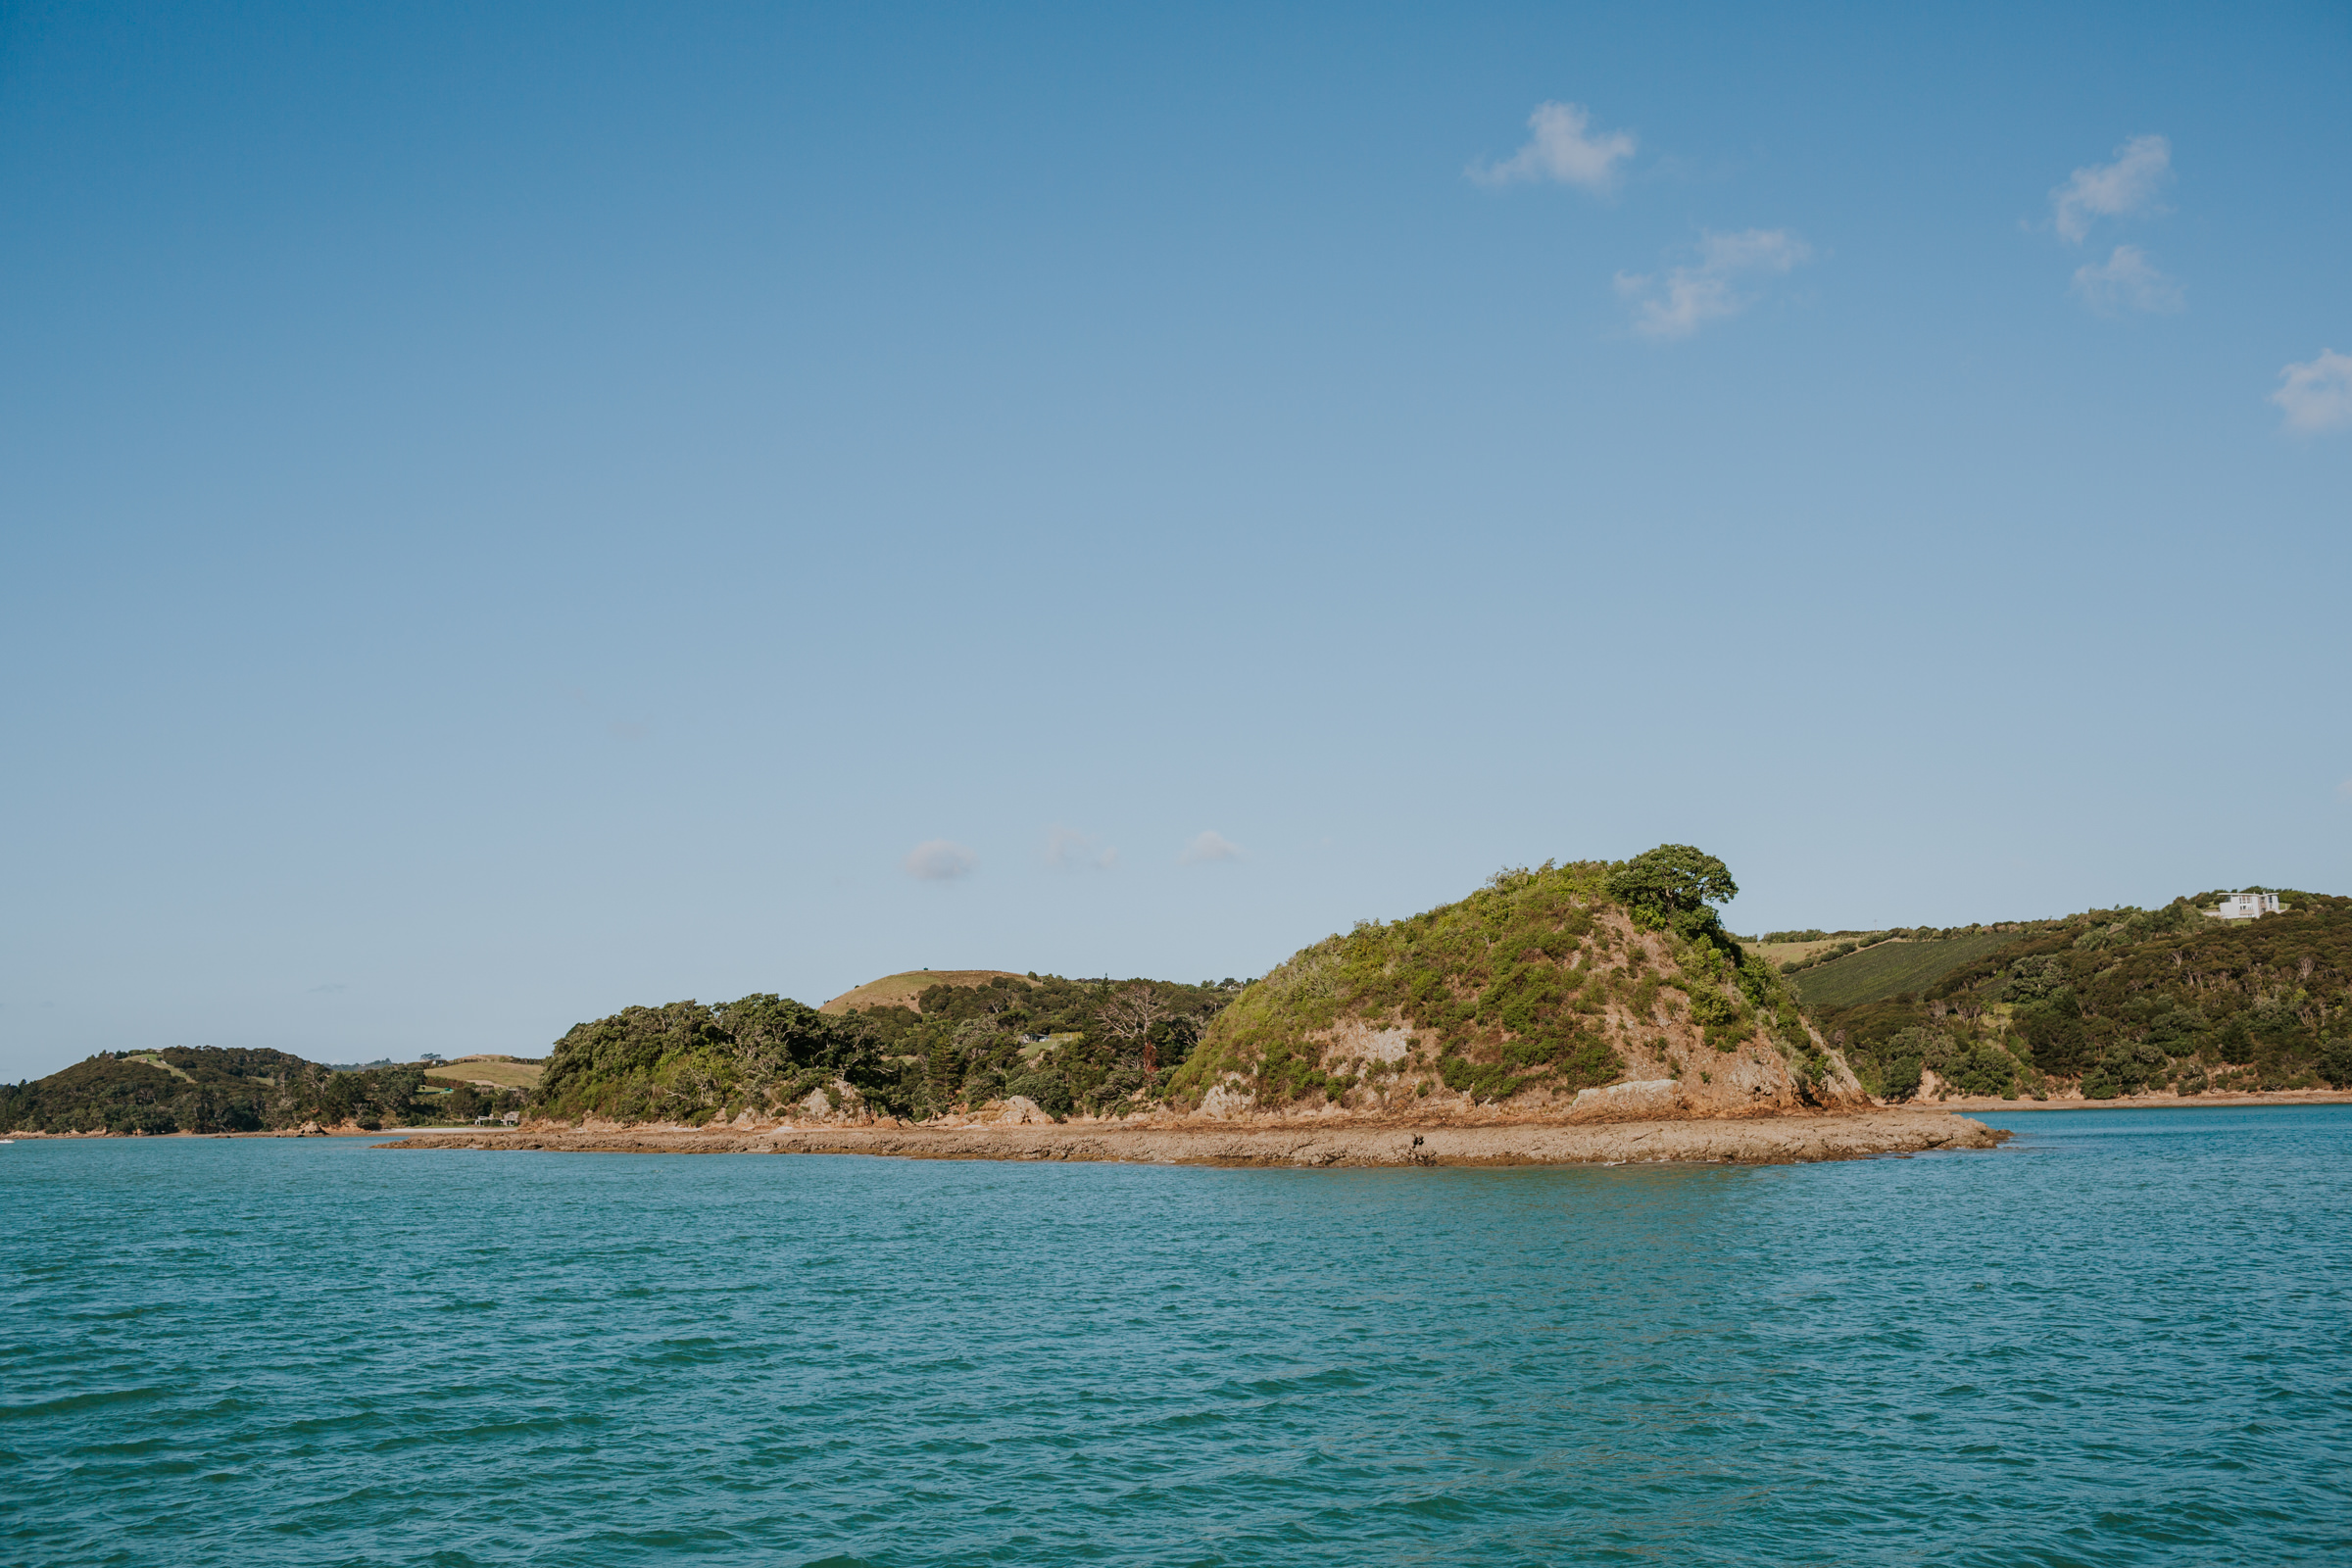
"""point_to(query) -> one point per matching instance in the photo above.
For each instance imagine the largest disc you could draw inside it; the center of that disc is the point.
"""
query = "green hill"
(1069, 1045)
(205, 1089)
(1538, 985)
(2115, 1001)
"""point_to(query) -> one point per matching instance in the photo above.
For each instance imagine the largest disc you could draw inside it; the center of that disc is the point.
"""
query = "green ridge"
(2118, 1000)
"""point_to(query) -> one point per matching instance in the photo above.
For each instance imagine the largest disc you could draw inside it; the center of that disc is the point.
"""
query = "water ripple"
(2118, 1342)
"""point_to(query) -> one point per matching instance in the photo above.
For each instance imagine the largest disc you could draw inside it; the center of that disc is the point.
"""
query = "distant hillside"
(965, 1039)
(2111, 1002)
(204, 1088)
(1892, 967)
(900, 990)
(1539, 985)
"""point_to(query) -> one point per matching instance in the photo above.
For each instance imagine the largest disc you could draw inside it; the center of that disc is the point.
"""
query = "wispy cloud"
(1068, 850)
(2140, 170)
(2127, 281)
(1687, 298)
(1210, 845)
(2317, 395)
(940, 860)
(1560, 150)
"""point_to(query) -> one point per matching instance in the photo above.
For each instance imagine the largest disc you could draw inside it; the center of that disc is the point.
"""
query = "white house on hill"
(2247, 906)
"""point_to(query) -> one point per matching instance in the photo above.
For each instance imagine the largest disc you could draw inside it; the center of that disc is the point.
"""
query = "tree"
(1673, 884)
(1128, 1017)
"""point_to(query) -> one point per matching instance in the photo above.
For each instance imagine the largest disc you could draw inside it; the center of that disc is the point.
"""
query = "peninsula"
(1591, 1010)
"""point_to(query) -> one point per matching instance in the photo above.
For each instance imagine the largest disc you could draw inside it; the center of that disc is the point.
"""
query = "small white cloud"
(2317, 394)
(1068, 850)
(1688, 297)
(2127, 281)
(2140, 168)
(940, 860)
(1209, 846)
(1559, 150)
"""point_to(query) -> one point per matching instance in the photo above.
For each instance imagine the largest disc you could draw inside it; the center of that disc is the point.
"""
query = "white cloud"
(2140, 168)
(1208, 846)
(1560, 150)
(1688, 297)
(1068, 850)
(940, 860)
(2125, 281)
(2317, 395)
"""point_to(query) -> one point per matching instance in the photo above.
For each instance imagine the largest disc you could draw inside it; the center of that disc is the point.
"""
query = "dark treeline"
(2123, 1001)
(209, 1089)
(1069, 1045)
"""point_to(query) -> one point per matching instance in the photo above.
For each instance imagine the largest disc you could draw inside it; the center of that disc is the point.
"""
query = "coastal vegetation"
(206, 1089)
(2115, 1001)
(1538, 985)
(1064, 1045)
(1537, 981)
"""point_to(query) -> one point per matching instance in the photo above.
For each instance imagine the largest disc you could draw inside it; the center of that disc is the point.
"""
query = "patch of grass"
(486, 1070)
(154, 1061)
(1890, 969)
(1776, 954)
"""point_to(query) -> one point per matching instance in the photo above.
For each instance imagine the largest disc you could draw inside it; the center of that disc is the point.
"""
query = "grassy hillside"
(501, 1072)
(901, 989)
(1542, 983)
(2119, 1000)
(1892, 968)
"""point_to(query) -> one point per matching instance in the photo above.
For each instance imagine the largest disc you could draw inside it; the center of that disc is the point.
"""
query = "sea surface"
(2124, 1339)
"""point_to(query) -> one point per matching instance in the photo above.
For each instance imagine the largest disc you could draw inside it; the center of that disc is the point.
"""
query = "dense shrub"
(1049, 1090)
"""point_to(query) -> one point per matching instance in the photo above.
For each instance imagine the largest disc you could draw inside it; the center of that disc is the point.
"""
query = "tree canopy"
(1672, 886)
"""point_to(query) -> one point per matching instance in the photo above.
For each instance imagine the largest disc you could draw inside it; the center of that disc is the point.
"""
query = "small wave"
(68, 1403)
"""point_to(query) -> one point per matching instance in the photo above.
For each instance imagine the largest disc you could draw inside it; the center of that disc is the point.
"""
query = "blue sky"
(515, 512)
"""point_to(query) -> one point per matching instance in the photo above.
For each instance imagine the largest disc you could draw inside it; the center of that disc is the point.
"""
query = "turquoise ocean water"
(2126, 1338)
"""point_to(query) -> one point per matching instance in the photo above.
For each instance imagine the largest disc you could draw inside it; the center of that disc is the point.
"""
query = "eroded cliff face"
(1536, 998)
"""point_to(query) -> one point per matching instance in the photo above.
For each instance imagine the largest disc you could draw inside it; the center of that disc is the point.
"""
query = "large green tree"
(1674, 886)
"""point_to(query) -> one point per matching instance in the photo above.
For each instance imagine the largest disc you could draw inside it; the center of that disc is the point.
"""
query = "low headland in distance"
(1591, 1010)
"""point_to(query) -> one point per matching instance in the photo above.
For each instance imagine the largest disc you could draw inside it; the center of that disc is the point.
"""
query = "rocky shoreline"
(1773, 1140)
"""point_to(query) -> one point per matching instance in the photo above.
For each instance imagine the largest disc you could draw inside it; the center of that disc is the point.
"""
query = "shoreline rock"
(1774, 1139)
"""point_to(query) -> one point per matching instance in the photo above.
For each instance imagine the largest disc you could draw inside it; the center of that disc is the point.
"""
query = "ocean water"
(2124, 1339)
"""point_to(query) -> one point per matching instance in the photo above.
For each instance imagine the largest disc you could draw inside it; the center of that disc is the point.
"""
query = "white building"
(2247, 906)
